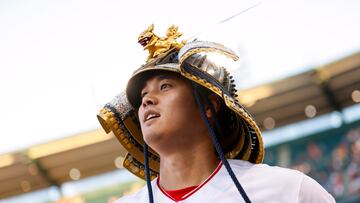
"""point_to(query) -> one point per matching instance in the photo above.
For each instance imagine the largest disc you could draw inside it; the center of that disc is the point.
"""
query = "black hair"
(227, 129)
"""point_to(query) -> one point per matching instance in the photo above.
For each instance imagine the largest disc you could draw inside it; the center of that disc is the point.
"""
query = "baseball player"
(188, 136)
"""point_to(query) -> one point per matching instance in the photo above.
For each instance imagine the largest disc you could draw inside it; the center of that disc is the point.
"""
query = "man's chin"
(152, 138)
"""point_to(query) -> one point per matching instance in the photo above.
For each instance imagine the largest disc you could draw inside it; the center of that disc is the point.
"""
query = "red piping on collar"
(192, 191)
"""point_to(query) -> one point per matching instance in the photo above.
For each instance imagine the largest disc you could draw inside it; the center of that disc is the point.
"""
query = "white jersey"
(262, 183)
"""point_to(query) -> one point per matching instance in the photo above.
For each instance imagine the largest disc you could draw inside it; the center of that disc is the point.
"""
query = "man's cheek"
(140, 117)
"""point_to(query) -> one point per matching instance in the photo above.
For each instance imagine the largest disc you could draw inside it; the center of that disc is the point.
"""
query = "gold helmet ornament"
(241, 137)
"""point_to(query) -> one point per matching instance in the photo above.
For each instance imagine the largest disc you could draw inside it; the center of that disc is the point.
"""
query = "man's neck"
(188, 167)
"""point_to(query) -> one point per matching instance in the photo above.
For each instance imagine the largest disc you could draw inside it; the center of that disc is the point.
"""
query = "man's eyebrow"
(159, 78)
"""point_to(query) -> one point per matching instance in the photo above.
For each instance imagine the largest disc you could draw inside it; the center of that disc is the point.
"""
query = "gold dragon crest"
(157, 45)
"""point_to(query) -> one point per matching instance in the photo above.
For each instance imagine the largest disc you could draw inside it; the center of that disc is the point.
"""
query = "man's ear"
(215, 102)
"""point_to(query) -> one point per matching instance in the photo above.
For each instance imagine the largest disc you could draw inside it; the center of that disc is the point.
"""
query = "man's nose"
(149, 99)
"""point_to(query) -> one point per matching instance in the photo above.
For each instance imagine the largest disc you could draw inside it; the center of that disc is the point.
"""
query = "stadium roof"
(312, 93)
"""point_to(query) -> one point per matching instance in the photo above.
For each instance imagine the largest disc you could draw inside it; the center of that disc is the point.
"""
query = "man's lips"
(150, 114)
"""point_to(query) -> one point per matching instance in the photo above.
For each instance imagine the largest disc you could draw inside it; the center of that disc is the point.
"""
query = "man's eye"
(143, 94)
(164, 86)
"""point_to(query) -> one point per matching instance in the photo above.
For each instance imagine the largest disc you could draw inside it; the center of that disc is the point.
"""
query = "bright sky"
(60, 61)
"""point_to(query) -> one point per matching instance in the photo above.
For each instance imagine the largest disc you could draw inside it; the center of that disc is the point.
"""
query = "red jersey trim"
(179, 194)
(192, 191)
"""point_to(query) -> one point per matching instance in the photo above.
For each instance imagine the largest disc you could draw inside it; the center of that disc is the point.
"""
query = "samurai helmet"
(241, 137)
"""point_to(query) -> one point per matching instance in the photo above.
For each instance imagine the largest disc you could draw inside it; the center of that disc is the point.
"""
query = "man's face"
(168, 114)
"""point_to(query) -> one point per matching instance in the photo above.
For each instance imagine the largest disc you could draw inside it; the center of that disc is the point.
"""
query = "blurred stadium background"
(309, 111)
(320, 116)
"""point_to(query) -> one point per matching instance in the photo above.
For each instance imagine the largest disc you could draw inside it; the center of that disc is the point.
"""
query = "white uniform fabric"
(261, 182)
